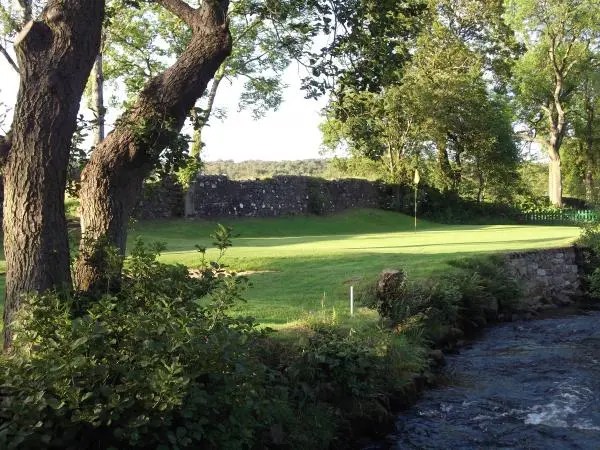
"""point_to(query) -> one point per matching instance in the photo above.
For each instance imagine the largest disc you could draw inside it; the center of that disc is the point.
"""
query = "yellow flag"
(417, 177)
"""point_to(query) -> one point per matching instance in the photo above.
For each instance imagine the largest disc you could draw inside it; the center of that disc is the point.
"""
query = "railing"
(567, 217)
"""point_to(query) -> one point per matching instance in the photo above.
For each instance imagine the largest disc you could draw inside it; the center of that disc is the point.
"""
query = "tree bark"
(589, 185)
(555, 180)
(55, 55)
(557, 130)
(98, 99)
(111, 183)
(480, 186)
(445, 169)
(590, 158)
(557, 127)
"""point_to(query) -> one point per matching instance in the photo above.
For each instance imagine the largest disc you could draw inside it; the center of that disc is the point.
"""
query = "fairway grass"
(301, 265)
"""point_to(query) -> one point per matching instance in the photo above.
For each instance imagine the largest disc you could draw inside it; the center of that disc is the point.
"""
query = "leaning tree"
(55, 54)
(56, 50)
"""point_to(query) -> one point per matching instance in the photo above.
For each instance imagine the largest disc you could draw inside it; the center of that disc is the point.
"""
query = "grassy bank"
(298, 264)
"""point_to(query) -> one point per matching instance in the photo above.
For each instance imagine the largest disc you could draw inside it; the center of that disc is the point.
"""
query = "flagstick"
(416, 181)
(416, 206)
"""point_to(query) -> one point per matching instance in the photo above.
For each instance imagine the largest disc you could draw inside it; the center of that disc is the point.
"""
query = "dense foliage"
(590, 242)
(249, 170)
(436, 110)
(162, 363)
(153, 364)
(465, 297)
(482, 80)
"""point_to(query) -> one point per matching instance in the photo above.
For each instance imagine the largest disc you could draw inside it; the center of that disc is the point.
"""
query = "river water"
(522, 385)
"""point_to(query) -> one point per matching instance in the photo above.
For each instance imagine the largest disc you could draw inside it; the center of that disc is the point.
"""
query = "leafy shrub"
(589, 239)
(160, 363)
(497, 283)
(353, 373)
(590, 236)
(468, 294)
(383, 295)
(433, 300)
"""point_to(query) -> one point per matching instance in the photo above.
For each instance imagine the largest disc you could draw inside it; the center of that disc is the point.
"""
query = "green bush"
(161, 363)
(496, 281)
(353, 373)
(431, 299)
(384, 299)
(468, 294)
(590, 241)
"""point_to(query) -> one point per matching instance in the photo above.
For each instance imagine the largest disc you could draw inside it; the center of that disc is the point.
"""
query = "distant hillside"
(248, 170)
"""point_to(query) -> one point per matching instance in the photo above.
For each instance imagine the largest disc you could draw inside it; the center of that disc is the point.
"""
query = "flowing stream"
(522, 385)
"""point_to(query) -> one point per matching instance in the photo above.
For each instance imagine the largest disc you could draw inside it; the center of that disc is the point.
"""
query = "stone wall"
(218, 196)
(161, 200)
(550, 278)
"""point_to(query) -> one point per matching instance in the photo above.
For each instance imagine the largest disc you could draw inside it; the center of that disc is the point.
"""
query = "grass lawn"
(304, 262)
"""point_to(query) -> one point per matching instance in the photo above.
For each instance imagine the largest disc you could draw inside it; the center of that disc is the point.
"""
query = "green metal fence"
(567, 217)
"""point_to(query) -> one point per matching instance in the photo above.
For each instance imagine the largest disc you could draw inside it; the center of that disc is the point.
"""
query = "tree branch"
(26, 7)
(9, 58)
(179, 8)
(525, 136)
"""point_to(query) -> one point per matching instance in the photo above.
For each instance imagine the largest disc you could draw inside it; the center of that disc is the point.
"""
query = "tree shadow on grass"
(490, 242)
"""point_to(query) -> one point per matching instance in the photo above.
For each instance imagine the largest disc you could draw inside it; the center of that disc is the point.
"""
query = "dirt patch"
(246, 273)
(195, 273)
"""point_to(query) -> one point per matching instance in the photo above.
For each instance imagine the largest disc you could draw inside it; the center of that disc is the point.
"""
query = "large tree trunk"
(55, 57)
(557, 128)
(555, 180)
(446, 175)
(111, 183)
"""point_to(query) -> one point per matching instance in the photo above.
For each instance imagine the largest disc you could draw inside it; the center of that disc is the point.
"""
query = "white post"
(352, 300)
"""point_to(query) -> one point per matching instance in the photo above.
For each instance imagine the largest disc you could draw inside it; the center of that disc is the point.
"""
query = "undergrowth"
(466, 296)
(161, 363)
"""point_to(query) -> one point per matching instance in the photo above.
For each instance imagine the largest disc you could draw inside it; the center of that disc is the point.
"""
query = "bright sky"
(290, 133)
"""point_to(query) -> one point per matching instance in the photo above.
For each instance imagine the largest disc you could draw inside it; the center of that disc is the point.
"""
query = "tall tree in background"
(581, 155)
(587, 125)
(437, 99)
(361, 67)
(376, 126)
(557, 35)
(370, 41)
(480, 26)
